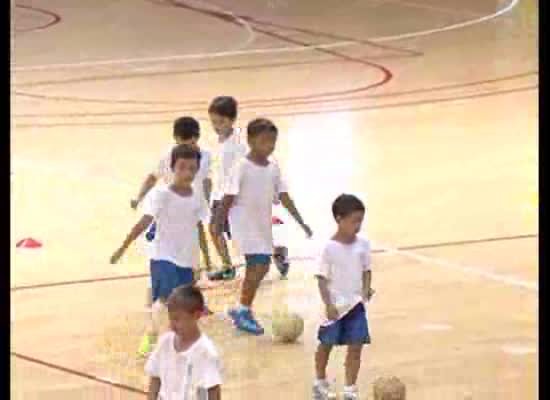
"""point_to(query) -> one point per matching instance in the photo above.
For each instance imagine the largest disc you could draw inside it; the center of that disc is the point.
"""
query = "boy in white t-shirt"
(344, 278)
(186, 131)
(248, 199)
(177, 210)
(185, 364)
(223, 114)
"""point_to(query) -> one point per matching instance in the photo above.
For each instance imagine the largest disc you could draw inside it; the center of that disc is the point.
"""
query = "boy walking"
(344, 279)
(185, 363)
(248, 199)
(177, 210)
(223, 114)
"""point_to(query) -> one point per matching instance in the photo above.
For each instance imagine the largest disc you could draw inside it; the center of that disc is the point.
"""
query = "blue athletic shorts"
(353, 328)
(166, 276)
(257, 259)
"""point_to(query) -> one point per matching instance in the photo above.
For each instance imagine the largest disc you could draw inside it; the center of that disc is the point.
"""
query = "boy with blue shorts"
(344, 279)
(177, 210)
(248, 199)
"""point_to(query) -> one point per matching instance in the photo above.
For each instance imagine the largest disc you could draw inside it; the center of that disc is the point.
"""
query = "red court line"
(77, 373)
(292, 259)
(55, 18)
(291, 113)
(204, 103)
(386, 73)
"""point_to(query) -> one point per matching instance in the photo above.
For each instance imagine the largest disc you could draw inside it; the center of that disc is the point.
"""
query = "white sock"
(243, 308)
(156, 312)
(321, 382)
(350, 389)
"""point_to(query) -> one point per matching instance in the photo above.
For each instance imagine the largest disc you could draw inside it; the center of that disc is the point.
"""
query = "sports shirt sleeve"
(155, 203)
(212, 372)
(323, 264)
(365, 256)
(281, 185)
(152, 366)
(233, 184)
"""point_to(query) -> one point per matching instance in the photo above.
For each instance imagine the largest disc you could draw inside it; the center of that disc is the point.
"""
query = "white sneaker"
(350, 393)
(323, 391)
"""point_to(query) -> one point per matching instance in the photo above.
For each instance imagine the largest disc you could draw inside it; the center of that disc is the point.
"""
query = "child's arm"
(332, 312)
(207, 188)
(215, 393)
(146, 186)
(154, 388)
(135, 232)
(288, 203)
(368, 291)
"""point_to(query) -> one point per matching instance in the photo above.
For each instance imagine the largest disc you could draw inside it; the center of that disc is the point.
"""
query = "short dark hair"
(226, 106)
(260, 125)
(345, 204)
(186, 128)
(186, 152)
(186, 297)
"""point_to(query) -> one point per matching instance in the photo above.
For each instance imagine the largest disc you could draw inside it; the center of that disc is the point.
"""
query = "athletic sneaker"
(323, 391)
(146, 345)
(223, 275)
(282, 265)
(244, 320)
(350, 393)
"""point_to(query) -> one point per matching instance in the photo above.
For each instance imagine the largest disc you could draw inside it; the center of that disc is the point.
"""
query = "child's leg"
(252, 279)
(204, 247)
(321, 361)
(353, 363)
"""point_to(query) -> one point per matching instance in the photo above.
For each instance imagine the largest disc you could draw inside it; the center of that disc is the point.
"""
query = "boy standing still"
(177, 210)
(344, 279)
(248, 201)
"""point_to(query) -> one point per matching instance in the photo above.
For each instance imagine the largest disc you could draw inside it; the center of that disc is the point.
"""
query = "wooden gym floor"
(425, 109)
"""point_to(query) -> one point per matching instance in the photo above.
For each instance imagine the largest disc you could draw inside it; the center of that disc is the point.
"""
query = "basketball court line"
(468, 269)
(75, 372)
(294, 113)
(288, 49)
(403, 250)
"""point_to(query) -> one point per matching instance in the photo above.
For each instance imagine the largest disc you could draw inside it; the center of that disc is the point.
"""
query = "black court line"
(375, 251)
(78, 373)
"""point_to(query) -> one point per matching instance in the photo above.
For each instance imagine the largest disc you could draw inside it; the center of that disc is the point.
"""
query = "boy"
(186, 131)
(185, 364)
(344, 279)
(248, 199)
(223, 113)
(177, 210)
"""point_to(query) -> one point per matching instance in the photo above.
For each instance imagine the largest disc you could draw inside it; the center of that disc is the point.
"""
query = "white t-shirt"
(176, 239)
(183, 373)
(227, 154)
(343, 266)
(250, 217)
(279, 223)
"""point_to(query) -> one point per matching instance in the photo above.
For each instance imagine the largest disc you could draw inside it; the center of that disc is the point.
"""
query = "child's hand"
(332, 312)
(367, 296)
(308, 231)
(117, 255)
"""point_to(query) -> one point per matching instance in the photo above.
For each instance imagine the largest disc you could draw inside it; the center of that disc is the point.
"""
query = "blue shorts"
(166, 276)
(353, 328)
(257, 259)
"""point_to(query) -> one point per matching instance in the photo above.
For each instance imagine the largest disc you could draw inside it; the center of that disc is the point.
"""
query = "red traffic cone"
(29, 243)
(276, 221)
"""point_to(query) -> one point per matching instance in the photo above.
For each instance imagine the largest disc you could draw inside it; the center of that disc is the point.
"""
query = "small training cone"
(276, 221)
(29, 243)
